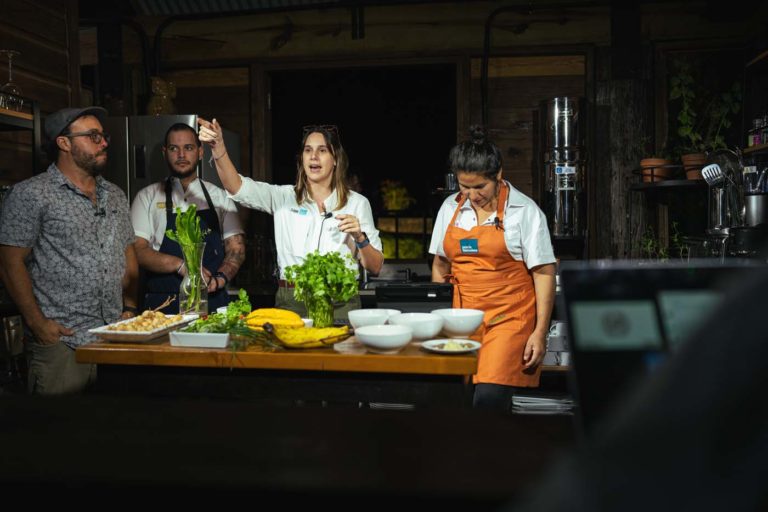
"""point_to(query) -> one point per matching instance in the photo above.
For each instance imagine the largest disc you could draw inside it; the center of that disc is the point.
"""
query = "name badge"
(468, 246)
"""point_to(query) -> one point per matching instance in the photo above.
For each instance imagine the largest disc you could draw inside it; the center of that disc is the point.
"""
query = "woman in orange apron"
(492, 243)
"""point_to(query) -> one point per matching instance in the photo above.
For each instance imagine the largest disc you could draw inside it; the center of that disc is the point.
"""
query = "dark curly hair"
(477, 155)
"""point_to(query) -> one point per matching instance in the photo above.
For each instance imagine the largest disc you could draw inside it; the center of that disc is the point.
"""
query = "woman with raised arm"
(318, 213)
(492, 242)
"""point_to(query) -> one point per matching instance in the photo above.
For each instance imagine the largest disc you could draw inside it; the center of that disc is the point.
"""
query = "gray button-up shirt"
(78, 248)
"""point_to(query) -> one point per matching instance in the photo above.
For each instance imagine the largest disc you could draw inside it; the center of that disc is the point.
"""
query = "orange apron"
(486, 277)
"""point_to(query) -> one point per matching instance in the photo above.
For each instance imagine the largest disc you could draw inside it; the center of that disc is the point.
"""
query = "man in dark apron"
(154, 210)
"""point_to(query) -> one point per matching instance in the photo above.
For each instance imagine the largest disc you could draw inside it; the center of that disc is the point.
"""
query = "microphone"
(325, 216)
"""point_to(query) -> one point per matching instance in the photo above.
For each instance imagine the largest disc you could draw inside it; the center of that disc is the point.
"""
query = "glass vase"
(320, 310)
(193, 291)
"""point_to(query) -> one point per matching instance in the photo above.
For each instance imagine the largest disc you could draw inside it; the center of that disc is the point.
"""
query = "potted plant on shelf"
(658, 166)
(703, 118)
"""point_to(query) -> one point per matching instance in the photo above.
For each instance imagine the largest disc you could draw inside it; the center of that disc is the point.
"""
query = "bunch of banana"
(308, 337)
(275, 316)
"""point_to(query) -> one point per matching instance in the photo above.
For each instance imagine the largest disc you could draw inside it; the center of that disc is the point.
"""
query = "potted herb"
(657, 166)
(321, 282)
(703, 118)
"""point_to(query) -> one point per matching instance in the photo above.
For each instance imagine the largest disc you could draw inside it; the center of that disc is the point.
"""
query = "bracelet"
(364, 243)
(218, 157)
(178, 270)
(130, 309)
(223, 276)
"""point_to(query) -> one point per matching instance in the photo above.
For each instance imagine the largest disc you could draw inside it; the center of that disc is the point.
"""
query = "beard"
(183, 174)
(88, 161)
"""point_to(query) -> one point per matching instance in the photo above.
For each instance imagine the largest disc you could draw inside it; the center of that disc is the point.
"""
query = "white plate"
(199, 339)
(138, 336)
(435, 346)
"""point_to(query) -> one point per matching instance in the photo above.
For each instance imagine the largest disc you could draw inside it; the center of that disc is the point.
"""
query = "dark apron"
(161, 286)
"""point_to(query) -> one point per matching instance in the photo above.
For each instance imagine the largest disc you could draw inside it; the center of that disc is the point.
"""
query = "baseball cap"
(58, 121)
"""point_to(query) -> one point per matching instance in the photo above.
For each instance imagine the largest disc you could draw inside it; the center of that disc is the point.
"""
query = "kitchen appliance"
(413, 297)
(725, 205)
(756, 208)
(135, 159)
(563, 128)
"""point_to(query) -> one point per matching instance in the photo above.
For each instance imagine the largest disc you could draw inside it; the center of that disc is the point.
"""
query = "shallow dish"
(384, 339)
(439, 346)
(424, 325)
(199, 339)
(138, 336)
(460, 323)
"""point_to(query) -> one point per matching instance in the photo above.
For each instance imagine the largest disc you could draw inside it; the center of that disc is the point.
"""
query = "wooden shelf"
(755, 149)
(13, 113)
(668, 184)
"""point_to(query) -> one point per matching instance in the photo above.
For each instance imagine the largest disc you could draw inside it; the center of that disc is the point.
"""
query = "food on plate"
(453, 345)
(308, 337)
(275, 316)
(147, 321)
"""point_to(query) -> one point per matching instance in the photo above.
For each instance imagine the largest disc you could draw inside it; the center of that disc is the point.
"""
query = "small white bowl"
(371, 316)
(384, 339)
(460, 323)
(391, 312)
(308, 322)
(425, 325)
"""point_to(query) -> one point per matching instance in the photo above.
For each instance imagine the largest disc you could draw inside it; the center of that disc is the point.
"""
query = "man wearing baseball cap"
(66, 251)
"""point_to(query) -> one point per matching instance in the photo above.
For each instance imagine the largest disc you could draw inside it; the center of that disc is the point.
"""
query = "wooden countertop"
(348, 356)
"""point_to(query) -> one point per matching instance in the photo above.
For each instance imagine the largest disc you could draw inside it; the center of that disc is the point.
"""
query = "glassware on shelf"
(10, 93)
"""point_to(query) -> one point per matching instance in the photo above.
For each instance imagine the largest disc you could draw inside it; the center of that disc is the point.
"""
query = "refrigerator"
(135, 158)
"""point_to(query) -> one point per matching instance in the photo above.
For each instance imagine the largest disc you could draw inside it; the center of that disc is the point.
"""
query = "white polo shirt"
(302, 229)
(148, 209)
(525, 227)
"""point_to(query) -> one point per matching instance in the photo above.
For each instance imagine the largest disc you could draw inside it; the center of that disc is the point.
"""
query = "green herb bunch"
(233, 322)
(190, 237)
(321, 281)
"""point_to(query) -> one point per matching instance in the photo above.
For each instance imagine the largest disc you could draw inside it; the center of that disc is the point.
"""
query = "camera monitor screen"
(626, 318)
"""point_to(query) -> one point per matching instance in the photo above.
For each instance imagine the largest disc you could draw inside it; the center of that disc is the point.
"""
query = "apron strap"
(216, 226)
(169, 205)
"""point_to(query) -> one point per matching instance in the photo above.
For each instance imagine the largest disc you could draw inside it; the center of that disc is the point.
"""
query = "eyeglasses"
(332, 128)
(96, 137)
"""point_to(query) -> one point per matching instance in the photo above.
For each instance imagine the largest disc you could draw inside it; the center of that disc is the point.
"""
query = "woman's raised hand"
(349, 224)
(212, 134)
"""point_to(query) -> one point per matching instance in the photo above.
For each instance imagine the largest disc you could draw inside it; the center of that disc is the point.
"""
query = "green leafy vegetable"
(233, 322)
(224, 322)
(190, 237)
(321, 281)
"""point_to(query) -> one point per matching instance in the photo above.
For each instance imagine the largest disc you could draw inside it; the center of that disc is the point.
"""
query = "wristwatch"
(364, 243)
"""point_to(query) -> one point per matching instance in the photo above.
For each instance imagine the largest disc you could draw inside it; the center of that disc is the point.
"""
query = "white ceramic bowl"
(391, 312)
(425, 325)
(460, 323)
(371, 316)
(308, 322)
(384, 339)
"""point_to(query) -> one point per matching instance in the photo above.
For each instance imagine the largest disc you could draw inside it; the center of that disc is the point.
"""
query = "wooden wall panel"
(47, 71)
